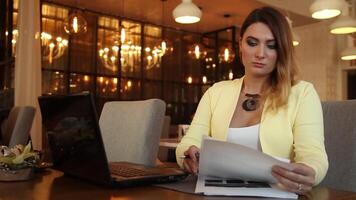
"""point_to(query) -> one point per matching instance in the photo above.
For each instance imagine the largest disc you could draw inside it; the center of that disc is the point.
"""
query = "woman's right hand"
(191, 160)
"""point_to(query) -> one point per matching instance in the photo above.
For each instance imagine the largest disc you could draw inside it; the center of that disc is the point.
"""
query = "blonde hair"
(284, 76)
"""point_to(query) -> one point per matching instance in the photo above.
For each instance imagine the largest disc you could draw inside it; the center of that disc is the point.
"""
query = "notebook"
(72, 129)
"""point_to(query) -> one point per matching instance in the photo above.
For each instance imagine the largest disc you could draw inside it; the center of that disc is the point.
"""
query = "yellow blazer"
(295, 132)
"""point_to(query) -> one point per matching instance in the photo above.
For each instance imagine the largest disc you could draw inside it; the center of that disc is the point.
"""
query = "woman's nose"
(260, 52)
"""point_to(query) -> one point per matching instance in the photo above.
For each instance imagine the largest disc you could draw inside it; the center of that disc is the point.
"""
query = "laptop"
(72, 129)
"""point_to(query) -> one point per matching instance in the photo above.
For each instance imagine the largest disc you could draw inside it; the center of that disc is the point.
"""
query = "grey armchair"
(340, 144)
(131, 130)
(16, 128)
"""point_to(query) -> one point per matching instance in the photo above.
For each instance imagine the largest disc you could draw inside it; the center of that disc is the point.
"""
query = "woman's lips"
(258, 65)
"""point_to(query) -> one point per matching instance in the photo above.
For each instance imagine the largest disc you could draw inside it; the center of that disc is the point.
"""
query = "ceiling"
(213, 11)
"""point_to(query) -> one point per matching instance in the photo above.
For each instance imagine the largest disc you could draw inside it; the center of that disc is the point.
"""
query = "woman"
(268, 109)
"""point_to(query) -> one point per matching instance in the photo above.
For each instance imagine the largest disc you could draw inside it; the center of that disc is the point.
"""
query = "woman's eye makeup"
(251, 42)
(272, 45)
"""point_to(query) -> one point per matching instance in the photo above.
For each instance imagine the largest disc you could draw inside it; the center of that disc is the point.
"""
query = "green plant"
(18, 157)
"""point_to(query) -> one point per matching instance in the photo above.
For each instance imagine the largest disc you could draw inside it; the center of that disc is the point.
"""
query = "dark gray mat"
(188, 186)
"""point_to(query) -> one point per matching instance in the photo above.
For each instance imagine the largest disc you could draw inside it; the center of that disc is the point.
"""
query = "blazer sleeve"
(308, 133)
(199, 127)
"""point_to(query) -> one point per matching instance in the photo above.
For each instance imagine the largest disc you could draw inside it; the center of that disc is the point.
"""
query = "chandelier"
(129, 54)
(197, 52)
(108, 57)
(226, 55)
(154, 55)
(76, 24)
(52, 47)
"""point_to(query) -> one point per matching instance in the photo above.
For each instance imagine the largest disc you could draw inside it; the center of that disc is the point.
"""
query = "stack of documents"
(235, 170)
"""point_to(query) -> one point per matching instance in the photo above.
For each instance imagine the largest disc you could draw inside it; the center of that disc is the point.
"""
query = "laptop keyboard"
(126, 171)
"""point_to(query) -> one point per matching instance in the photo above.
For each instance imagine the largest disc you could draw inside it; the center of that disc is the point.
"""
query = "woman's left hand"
(299, 180)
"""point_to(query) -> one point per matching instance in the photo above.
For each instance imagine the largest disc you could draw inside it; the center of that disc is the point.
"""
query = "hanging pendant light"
(325, 9)
(187, 13)
(226, 54)
(76, 24)
(344, 24)
(350, 52)
(197, 52)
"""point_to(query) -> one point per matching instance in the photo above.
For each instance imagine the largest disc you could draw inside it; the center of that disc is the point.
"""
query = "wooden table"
(52, 185)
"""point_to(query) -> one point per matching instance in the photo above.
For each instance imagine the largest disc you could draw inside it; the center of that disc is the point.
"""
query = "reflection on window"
(107, 87)
(152, 56)
(53, 82)
(146, 61)
(152, 89)
(108, 45)
(130, 89)
(79, 83)
(54, 41)
(130, 52)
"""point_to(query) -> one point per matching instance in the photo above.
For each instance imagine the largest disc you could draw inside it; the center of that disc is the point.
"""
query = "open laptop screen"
(71, 125)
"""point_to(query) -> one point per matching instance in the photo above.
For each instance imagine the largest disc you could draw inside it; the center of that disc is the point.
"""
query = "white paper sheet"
(233, 161)
(272, 191)
(229, 160)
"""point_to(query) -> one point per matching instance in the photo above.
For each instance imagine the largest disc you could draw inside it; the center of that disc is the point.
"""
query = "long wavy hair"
(284, 76)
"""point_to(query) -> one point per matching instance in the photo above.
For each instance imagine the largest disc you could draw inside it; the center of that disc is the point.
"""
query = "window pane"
(131, 50)
(54, 40)
(80, 83)
(82, 55)
(192, 63)
(171, 92)
(226, 54)
(108, 46)
(210, 61)
(173, 111)
(188, 112)
(191, 93)
(152, 89)
(53, 82)
(171, 61)
(107, 87)
(153, 52)
(130, 89)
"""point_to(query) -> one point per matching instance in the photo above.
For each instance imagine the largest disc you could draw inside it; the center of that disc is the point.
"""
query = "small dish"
(17, 175)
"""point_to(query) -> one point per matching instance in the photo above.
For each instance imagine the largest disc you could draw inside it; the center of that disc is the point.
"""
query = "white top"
(247, 136)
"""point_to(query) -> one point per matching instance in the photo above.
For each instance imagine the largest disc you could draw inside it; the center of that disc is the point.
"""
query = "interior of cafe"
(134, 50)
(89, 84)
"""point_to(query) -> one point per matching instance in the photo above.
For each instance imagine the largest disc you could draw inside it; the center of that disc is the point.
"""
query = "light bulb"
(76, 24)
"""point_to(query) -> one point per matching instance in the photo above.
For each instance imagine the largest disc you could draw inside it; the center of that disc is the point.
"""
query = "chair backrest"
(16, 128)
(131, 130)
(340, 144)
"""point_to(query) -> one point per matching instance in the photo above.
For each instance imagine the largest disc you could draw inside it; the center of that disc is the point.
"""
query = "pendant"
(251, 103)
